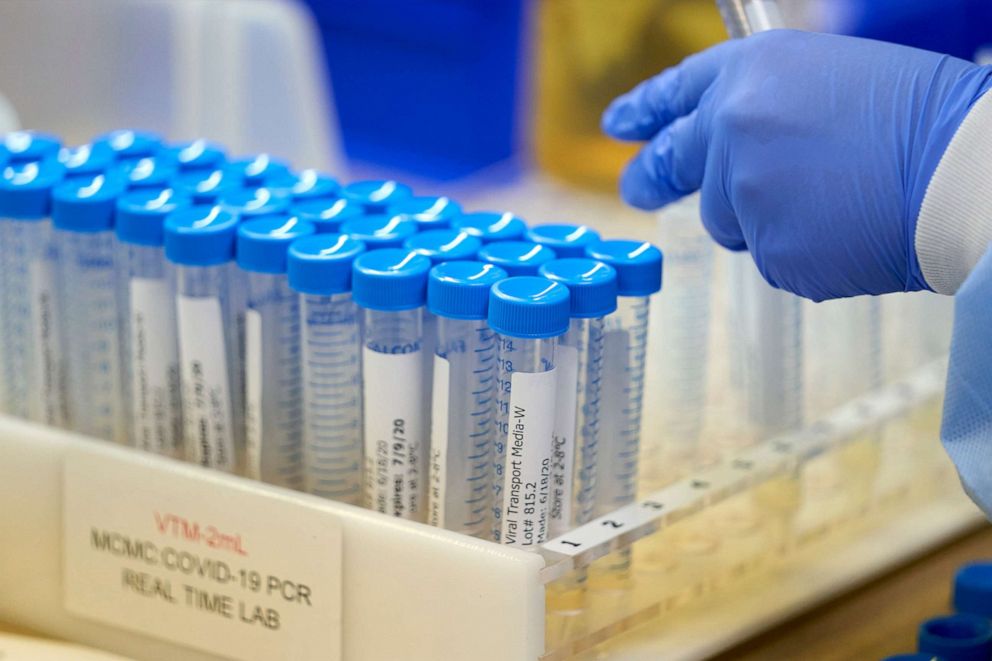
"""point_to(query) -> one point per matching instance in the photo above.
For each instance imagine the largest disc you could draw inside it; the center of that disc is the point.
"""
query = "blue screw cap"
(391, 280)
(252, 202)
(638, 264)
(376, 195)
(460, 290)
(26, 189)
(956, 638)
(206, 186)
(491, 226)
(379, 230)
(91, 158)
(306, 184)
(592, 285)
(529, 307)
(128, 144)
(428, 212)
(321, 264)
(21, 146)
(200, 235)
(263, 243)
(973, 589)
(197, 155)
(565, 240)
(254, 170)
(327, 215)
(149, 171)
(445, 245)
(141, 214)
(517, 257)
(87, 204)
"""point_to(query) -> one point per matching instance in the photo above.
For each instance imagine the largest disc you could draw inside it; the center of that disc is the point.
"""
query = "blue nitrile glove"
(812, 151)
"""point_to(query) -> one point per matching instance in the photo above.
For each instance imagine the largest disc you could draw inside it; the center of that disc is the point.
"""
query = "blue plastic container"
(428, 86)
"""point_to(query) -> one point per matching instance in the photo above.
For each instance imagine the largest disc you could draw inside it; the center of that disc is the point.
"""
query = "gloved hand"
(812, 151)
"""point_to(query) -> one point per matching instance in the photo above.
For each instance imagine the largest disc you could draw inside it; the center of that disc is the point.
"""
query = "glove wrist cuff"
(954, 227)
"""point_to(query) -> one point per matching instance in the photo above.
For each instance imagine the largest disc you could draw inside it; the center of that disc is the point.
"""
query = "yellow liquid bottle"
(589, 52)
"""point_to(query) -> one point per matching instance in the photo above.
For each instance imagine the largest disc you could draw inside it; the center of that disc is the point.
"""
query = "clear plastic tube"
(678, 375)
(770, 339)
(624, 353)
(90, 333)
(464, 407)
(429, 331)
(844, 362)
(273, 382)
(35, 370)
(581, 346)
(210, 372)
(150, 350)
(332, 396)
(769, 320)
(522, 451)
(393, 403)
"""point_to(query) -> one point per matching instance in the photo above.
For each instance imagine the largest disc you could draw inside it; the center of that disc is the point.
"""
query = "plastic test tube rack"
(441, 594)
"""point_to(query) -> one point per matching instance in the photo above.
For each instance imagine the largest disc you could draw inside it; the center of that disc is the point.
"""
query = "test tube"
(253, 202)
(768, 325)
(205, 185)
(638, 267)
(390, 286)
(529, 314)
(255, 170)
(147, 307)
(196, 155)
(327, 215)
(464, 397)
(566, 240)
(129, 145)
(319, 269)
(273, 382)
(380, 230)
(445, 245)
(24, 146)
(83, 210)
(430, 213)
(768, 320)
(199, 242)
(517, 257)
(86, 159)
(376, 196)
(579, 361)
(34, 366)
(305, 185)
(490, 226)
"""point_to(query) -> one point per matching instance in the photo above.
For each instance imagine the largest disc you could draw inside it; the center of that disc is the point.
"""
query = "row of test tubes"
(357, 342)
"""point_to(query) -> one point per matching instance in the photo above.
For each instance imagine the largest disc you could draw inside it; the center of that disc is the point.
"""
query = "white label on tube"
(563, 440)
(206, 392)
(212, 566)
(394, 432)
(527, 478)
(439, 442)
(154, 367)
(253, 393)
(48, 380)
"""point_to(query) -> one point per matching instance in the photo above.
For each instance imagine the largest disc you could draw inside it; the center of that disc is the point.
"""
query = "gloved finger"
(669, 167)
(658, 101)
(719, 219)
